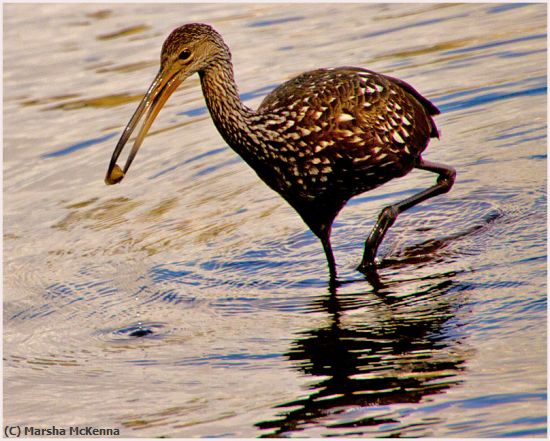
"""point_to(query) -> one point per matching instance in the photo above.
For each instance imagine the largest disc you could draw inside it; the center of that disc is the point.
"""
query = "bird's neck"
(230, 115)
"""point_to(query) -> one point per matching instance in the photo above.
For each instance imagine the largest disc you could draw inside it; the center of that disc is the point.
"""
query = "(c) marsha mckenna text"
(70, 431)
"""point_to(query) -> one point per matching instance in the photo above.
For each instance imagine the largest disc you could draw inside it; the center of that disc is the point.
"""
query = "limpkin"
(318, 139)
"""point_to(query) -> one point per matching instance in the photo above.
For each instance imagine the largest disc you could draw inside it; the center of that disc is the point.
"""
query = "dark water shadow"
(404, 348)
(444, 249)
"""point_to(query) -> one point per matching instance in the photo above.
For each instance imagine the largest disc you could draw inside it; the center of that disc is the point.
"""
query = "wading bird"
(318, 140)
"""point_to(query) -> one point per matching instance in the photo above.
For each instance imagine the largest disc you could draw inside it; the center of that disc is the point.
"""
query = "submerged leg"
(389, 214)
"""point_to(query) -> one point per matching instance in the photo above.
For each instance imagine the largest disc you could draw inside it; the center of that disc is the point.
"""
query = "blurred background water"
(245, 338)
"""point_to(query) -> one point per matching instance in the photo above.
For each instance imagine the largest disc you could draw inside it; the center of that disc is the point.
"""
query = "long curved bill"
(164, 84)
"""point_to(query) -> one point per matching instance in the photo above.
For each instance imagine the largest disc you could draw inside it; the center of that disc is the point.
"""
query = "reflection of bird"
(318, 139)
(358, 370)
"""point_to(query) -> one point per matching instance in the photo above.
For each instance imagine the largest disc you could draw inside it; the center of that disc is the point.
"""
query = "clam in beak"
(164, 84)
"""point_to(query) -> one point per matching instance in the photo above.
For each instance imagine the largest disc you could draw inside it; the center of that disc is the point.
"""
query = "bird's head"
(192, 48)
(189, 49)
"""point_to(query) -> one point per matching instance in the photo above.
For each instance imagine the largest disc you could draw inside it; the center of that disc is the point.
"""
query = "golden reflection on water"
(138, 29)
(127, 68)
(104, 101)
(246, 339)
(107, 215)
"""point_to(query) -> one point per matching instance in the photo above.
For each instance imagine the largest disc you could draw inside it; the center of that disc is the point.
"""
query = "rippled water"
(192, 301)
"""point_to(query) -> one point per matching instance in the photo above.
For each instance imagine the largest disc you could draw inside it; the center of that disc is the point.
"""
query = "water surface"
(192, 301)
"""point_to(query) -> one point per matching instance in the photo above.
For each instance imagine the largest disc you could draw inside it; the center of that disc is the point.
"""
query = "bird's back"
(346, 130)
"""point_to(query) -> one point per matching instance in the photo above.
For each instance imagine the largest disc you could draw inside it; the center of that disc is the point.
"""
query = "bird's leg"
(389, 214)
(330, 257)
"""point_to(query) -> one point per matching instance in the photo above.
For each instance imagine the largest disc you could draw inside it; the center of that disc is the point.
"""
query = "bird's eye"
(184, 54)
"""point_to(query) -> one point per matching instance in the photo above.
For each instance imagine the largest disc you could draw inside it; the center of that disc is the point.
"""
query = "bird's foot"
(368, 268)
(334, 284)
(369, 264)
